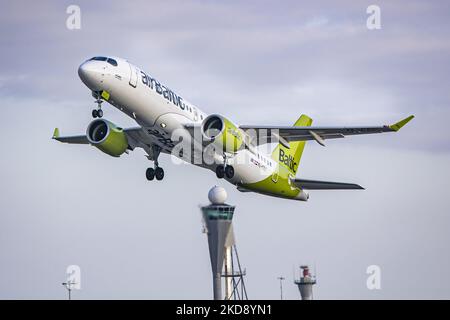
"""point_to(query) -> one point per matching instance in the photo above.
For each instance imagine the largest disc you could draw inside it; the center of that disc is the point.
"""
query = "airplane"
(165, 119)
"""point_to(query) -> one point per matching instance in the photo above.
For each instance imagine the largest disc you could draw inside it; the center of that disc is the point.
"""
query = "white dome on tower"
(217, 195)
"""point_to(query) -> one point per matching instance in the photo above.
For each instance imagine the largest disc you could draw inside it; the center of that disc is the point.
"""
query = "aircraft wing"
(132, 134)
(324, 185)
(285, 134)
(136, 137)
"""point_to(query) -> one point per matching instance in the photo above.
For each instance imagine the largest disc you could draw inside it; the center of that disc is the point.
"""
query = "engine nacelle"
(107, 137)
(224, 133)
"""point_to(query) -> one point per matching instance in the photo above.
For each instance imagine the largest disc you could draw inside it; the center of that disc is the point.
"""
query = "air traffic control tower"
(225, 263)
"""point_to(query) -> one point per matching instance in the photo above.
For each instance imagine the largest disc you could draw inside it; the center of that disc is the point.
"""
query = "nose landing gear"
(98, 113)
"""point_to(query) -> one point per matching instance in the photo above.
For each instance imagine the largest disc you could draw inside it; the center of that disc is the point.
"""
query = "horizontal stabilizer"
(56, 133)
(325, 185)
(242, 189)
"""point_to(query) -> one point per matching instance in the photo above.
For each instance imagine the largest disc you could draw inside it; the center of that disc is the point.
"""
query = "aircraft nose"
(91, 75)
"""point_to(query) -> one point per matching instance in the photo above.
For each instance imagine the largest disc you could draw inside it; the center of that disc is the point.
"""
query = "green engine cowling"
(107, 137)
(224, 133)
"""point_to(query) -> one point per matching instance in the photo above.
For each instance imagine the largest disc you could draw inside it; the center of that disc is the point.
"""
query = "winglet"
(55, 133)
(401, 123)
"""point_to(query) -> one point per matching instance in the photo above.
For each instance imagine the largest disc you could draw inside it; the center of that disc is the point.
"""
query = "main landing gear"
(225, 170)
(222, 171)
(98, 113)
(157, 172)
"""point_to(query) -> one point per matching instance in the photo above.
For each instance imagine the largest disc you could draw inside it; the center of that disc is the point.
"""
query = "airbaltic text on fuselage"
(162, 90)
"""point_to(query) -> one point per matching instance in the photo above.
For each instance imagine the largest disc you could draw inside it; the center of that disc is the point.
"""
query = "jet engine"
(223, 133)
(107, 137)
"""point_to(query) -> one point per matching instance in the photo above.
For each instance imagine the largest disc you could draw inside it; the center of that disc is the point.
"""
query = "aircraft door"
(133, 75)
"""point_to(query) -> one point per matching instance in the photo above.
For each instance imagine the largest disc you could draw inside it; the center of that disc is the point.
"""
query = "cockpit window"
(109, 60)
(112, 62)
(99, 58)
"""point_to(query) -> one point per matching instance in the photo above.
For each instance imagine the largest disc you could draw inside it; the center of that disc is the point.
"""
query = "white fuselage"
(161, 112)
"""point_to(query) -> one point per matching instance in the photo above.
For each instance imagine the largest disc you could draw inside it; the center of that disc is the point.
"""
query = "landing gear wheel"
(150, 174)
(229, 172)
(99, 113)
(94, 113)
(159, 173)
(220, 172)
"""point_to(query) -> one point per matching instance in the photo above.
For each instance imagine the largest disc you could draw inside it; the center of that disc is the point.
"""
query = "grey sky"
(254, 62)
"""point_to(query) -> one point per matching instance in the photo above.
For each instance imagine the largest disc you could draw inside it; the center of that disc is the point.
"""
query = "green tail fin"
(290, 157)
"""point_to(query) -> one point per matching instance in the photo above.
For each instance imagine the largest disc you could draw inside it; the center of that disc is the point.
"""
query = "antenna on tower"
(281, 278)
(293, 272)
(69, 286)
(315, 271)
